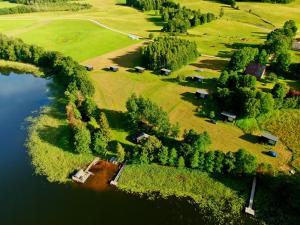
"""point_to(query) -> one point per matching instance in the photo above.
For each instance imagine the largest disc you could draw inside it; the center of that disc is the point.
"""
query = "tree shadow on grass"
(156, 20)
(212, 64)
(57, 136)
(209, 84)
(239, 45)
(129, 60)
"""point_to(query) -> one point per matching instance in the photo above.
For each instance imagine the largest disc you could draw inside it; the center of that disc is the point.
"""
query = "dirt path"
(124, 58)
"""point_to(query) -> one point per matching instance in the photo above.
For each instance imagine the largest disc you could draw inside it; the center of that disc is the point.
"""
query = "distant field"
(79, 39)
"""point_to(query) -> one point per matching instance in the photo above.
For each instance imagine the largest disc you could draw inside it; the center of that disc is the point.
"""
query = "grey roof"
(166, 70)
(114, 67)
(139, 68)
(199, 77)
(228, 114)
(201, 91)
(269, 136)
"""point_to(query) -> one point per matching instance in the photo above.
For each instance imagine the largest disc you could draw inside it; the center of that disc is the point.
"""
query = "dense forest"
(169, 52)
(237, 90)
(177, 19)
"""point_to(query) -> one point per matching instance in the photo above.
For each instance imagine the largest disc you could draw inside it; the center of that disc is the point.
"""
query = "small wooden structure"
(256, 69)
(140, 137)
(201, 93)
(113, 68)
(198, 79)
(228, 116)
(296, 45)
(165, 71)
(139, 69)
(82, 175)
(89, 67)
(268, 138)
(115, 180)
(250, 209)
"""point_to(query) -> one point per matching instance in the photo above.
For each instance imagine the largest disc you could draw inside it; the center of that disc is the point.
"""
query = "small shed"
(228, 116)
(165, 71)
(201, 93)
(113, 68)
(81, 176)
(89, 67)
(198, 79)
(140, 137)
(139, 69)
(269, 138)
(296, 45)
(256, 69)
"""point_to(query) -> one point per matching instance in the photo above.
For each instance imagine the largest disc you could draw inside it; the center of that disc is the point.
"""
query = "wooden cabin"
(165, 71)
(140, 137)
(256, 69)
(89, 67)
(113, 68)
(139, 69)
(201, 93)
(268, 138)
(198, 79)
(227, 116)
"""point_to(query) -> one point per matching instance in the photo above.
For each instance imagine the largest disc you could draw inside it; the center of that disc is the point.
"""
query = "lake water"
(27, 199)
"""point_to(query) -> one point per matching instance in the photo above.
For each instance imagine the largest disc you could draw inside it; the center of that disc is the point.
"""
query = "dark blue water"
(27, 199)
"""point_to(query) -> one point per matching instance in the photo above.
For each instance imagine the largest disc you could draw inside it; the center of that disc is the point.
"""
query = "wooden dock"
(115, 180)
(82, 175)
(250, 209)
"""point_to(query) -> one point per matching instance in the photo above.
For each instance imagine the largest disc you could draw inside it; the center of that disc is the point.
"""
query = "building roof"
(165, 70)
(228, 114)
(269, 136)
(114, 67)
(201, 91)
(139, 68)
(255, 69)
(198, 77)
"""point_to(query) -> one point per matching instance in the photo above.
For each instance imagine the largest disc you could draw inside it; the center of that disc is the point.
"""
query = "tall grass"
(218, 202)
(286, 125)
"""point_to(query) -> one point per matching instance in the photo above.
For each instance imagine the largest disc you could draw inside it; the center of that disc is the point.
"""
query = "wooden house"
(227, 116)
(201, 93)
(139, 69)
(268, 138)
(165, 71)
(256, 69)
(113, 68)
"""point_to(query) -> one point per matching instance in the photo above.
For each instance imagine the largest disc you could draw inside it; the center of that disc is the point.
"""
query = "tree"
(82, 139)
(245, 162)
(163, 155)
(151, 146)
(173, 157)
(100, 143)
(290, 28)
(104, 127)
(181, 163)
(120, 152)
(221, 12)
(266, 102)
(229, 162)
(219, 162)
(263, 57)
(242, 58)
(283, 63)
(194, 161)
(212, 114)
(209, 162)
(279, 90)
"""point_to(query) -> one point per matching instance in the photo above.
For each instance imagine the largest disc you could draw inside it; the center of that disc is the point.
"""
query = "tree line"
(169, 52)
(177, 19)
(44, 6)
(237, 92)
(89, 126)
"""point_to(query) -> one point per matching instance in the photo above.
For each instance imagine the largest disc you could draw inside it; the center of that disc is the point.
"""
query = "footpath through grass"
(217, 201)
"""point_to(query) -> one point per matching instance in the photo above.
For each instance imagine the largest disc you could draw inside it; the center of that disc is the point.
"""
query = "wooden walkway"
(115, 180)
(82, 175)
(249, 209)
